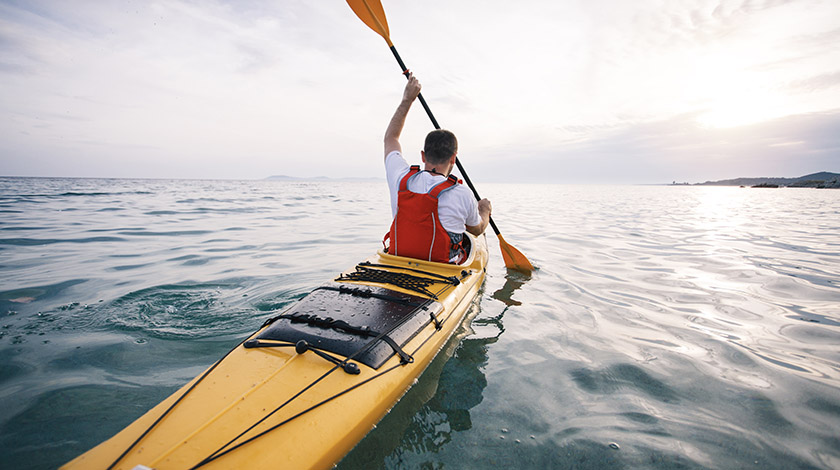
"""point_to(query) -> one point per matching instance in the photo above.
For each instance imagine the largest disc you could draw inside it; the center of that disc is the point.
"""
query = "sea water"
(668, 327)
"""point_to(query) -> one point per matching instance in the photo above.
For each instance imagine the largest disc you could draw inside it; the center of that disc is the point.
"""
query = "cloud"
(174, 79)
(815, 83)
(678, 149)
(194, 89)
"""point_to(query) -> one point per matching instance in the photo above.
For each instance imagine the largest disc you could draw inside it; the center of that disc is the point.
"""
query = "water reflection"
(437, 407)
(513, 281)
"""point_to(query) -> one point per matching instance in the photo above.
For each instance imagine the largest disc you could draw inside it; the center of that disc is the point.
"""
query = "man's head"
(440, 146)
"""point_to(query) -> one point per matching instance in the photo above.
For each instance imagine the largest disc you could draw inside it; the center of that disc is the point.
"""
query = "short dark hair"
(440, 146)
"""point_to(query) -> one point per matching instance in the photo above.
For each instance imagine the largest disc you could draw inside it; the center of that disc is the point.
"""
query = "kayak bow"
(304, 389)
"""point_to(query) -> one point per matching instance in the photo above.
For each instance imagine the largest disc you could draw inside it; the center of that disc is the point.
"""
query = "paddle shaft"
(437, 126)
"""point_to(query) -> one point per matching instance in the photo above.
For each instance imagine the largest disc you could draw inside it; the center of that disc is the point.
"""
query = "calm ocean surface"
(667, 327)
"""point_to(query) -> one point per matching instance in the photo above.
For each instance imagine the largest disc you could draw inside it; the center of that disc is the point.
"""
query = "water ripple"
(667, 327)
(51, 241)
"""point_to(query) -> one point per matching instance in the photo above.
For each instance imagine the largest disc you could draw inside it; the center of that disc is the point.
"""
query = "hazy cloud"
(579, 91)
(679, 149)
(816, 83)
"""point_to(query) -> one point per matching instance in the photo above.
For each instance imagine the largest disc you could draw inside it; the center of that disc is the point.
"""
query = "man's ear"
(423, 156)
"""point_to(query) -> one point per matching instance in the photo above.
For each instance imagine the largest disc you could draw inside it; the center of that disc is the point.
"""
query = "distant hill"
(822, 179)
(322, 178)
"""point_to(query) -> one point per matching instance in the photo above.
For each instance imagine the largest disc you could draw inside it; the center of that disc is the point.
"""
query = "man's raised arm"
(395, 127)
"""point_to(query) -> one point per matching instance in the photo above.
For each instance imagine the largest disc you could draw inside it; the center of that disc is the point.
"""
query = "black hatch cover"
(353, 320)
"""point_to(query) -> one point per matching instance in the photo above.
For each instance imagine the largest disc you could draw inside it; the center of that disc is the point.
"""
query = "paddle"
(372, 14)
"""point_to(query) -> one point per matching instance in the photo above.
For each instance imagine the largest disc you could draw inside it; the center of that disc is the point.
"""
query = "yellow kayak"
(304, 389)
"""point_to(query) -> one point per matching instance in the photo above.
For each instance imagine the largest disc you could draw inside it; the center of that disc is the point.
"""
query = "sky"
(537, 91)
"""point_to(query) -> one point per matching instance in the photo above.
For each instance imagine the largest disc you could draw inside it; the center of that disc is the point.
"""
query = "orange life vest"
(416, 231)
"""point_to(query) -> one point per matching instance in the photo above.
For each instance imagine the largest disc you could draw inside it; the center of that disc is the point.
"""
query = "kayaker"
(431, 209)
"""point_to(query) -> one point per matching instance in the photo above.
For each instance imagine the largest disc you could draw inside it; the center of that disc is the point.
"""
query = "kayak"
(306, 387)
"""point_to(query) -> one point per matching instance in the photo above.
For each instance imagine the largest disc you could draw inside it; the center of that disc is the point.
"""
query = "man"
(431, 209)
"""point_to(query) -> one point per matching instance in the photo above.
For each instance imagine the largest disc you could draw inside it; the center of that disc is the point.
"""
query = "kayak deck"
(308, 386)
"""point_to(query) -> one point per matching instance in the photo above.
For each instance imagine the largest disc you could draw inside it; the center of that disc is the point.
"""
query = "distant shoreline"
(323, 178)
(290, 179)
(821, 180)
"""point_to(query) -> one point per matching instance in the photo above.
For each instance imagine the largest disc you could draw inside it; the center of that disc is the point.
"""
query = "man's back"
(456, 207)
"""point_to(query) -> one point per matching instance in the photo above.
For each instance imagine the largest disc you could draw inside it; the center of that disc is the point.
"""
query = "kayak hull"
(274, 407)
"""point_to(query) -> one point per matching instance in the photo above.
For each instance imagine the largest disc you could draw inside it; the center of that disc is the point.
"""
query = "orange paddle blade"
(514, 259)
(372, 14)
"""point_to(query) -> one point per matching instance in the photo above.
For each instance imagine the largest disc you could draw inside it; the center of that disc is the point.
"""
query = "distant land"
(822, 179)
(323, 178)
